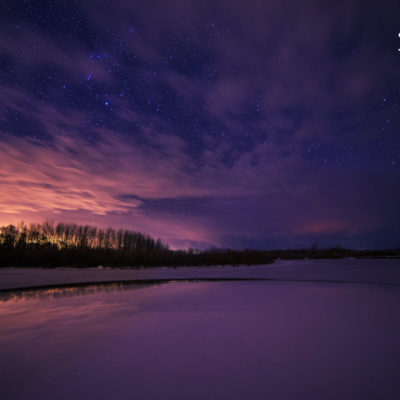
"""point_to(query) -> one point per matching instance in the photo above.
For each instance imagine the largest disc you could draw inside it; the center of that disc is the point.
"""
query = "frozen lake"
(207, 340)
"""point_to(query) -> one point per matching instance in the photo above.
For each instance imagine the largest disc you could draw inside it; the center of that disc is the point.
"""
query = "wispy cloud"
(204, 123)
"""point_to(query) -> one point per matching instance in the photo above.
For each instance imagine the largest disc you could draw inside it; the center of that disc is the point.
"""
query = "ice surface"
(205, 340)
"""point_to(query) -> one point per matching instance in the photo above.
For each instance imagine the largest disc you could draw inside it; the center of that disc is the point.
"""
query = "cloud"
(204, 123)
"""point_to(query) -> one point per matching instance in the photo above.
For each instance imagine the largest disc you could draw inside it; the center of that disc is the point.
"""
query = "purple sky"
(258, 124)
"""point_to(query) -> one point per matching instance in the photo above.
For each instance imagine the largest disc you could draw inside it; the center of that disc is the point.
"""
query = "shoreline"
(369, 271)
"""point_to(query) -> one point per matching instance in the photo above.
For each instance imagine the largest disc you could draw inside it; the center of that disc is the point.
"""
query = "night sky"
(244, 124)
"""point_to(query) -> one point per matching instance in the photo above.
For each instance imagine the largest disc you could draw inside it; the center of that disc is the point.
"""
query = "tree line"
(50, 245)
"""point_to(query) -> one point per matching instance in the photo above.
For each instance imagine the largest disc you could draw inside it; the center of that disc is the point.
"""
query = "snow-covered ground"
(208, 340)
(347, 270)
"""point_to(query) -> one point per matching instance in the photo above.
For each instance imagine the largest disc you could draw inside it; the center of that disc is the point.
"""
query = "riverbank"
(385, 271)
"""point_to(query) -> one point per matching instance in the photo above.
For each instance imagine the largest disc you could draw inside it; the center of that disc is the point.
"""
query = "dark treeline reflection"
(49, 245)
(71, 291)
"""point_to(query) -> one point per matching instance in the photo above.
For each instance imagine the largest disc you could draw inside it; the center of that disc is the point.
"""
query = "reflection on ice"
(70, 291)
